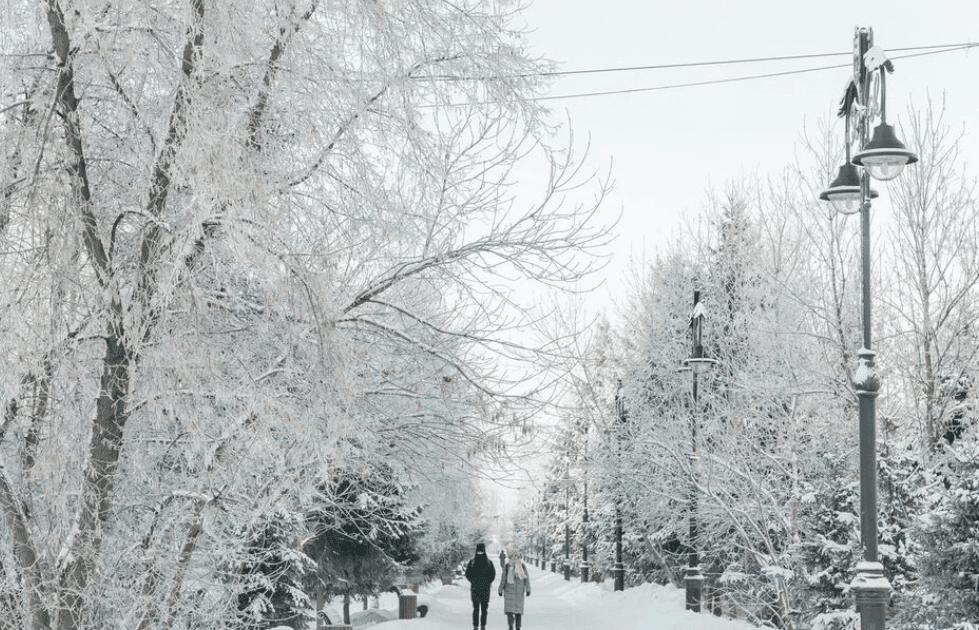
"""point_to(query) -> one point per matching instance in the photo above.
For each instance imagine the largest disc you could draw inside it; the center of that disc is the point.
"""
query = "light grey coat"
(513, 589)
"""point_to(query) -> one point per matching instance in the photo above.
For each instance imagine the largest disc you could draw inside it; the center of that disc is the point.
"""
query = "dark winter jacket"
(480, 572)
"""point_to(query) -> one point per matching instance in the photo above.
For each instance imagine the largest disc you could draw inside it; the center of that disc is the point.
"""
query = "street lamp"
(541, 554)
(697, 364)
(567, 528)
(583, 568)
(535, 537)
(543, 540)
(883, 157)
(620, 414)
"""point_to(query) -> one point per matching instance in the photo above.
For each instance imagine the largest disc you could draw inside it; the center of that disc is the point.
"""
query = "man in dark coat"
(480, 572)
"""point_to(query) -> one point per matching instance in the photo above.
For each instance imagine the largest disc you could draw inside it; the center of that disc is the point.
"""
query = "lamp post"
(583, 569)
(696, 364)
(551, 551)
(539, 543)
(882, 157)
(567, 529)
(535, 536)
(543, 542)
(619, 570)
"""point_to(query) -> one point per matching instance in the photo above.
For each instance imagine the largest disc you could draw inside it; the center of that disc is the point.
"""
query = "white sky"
(669, 146)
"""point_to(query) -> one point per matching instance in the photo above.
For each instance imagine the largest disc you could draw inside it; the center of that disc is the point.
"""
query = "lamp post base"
(871, 590)
(619, 576)
(694, 582)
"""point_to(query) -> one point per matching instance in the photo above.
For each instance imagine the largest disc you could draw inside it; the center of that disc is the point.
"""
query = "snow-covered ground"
(554, 604)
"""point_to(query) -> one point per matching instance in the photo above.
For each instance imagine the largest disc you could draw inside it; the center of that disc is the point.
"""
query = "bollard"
(407, 606)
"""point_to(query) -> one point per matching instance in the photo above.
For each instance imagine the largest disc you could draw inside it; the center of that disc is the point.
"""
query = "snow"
(554, 604)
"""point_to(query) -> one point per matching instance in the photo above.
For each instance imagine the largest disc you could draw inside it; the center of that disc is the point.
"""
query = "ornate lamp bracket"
(865, 379)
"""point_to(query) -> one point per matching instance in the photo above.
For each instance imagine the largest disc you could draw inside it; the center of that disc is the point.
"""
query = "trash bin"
(407, 606)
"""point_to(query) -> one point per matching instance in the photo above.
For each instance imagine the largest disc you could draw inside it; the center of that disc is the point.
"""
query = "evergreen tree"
(828, 546)
(947, 537)
(365, 534)
(273, 573)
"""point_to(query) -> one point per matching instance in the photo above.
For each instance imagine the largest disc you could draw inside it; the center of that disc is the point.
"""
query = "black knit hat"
(480, 548)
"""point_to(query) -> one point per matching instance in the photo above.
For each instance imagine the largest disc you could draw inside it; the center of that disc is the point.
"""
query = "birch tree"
(243, 242)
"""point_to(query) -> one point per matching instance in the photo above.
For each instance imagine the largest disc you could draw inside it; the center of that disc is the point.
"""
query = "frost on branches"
(244, 244)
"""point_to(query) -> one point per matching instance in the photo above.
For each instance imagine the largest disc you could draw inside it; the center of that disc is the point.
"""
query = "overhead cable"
(724, 62)
(928, 50)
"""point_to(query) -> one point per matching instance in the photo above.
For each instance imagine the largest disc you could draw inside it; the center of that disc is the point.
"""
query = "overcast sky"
(669, 146)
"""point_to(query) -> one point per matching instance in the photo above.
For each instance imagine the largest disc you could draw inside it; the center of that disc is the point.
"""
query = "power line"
(725, 62)
(930, 50)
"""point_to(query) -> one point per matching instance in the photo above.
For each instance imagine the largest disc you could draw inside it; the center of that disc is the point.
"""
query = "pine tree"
(273, 573)
(364, 534)
(947, 537)
(828, 547)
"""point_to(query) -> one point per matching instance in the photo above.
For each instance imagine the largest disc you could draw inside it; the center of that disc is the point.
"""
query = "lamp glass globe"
(885, 168)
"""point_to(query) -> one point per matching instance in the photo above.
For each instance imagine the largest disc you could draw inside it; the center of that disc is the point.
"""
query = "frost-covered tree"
(273, 573)
(934, 236)
(593, 385)
(946, 534)
(828, 545)
(765, 414)
(652, 460)
(363, 534)
(244, 243)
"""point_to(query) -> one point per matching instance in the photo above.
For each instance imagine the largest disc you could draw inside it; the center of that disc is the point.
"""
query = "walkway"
(556, 604)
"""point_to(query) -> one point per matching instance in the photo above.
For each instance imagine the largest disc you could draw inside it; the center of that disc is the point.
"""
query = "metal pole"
(542, 557)
(619, 570)
(583, 569)
(870, 587)
(694, 579)
(567, 532)
(567, 552)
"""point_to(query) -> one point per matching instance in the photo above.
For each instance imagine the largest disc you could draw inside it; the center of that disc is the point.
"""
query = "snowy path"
(556, 604)
(551, 605)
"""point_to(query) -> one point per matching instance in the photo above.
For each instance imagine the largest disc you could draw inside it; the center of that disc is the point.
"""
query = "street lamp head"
(699, 365)
(885, 156)
(844, 191)
(698, 361)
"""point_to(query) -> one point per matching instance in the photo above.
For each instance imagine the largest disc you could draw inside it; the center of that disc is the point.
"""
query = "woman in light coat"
(514, 586)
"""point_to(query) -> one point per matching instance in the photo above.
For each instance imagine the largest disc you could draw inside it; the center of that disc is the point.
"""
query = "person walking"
(514, 586)
(480, 572)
